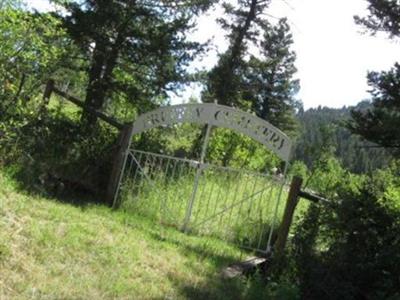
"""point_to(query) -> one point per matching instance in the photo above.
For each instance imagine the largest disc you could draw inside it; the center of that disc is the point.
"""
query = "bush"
(51, 153)
(351, 250)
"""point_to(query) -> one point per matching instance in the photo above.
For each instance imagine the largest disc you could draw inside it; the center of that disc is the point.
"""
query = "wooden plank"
(245, 268)
(81, 104)
(313, 197)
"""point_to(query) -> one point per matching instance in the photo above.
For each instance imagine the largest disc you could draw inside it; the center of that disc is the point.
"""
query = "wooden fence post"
(118, 165)
(48, 91)
(290, 207)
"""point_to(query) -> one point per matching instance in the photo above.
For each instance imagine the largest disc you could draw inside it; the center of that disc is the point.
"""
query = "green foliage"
(322, 129)
(328, 175)
(269, 85)
(31, 48)
(51, 153)
(380, 123)
(263, 83)
(299, 169)
(137, 51)
(349, 250)
(228, 148)
(384, 15)
(225, 80)
(127, 56)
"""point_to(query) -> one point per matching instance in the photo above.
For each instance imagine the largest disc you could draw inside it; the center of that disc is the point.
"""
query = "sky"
(333, 53)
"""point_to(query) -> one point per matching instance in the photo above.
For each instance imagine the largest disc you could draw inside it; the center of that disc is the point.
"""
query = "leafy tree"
(270, 86)
(135, 48)
(380, 124)
(31, 50)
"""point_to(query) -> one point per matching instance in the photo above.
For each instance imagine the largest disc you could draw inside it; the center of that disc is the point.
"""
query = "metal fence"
(238, 206)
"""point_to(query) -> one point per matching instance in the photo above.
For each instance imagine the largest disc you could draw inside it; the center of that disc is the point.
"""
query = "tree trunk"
(236, 54)
(100, 79)
(95, 95)
(242, 31)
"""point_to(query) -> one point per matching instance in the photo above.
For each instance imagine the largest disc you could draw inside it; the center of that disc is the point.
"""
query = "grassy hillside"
(54, 250)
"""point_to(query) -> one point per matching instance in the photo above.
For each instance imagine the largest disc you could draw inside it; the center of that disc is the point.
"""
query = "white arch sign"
(220, 116)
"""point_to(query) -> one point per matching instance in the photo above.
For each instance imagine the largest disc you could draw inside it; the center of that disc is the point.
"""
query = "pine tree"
(138, 48)
(380, 124)
(269, 83)
(224, 82)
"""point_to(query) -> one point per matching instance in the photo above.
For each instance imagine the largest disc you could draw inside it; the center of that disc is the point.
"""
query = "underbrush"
(350, 248)
(50, 153)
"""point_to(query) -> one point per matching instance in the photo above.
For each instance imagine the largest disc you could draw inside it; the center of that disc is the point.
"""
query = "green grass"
(54, 250)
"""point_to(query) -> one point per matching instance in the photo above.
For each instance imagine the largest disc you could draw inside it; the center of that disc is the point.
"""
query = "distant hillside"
(324, 125)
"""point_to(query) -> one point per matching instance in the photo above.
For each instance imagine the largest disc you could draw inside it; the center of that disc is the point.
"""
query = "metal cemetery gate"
(236, 205)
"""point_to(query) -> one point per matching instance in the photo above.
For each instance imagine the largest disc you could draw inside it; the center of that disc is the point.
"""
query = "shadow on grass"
(201, 247)
(215, 286)
(53, 189)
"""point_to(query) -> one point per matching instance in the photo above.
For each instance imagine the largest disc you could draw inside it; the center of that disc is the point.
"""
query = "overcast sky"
(333, 56)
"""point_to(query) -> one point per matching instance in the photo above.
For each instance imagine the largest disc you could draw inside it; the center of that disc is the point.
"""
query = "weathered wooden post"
(118, 165)
(48, 91)
(291, 203)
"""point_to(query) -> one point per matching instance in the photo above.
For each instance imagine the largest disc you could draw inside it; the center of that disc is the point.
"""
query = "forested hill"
(322, 127)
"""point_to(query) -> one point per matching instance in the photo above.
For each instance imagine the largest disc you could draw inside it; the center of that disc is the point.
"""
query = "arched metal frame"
(211, 114)
(219, 116)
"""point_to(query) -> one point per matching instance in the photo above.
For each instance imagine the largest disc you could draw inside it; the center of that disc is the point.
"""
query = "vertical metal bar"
(207, 206)
(143, 178)
(217, 198)
(137, 167)
(228, 192)
(127, 183)
(163, 202)
(201, 191)
(237, 191)
(135, 181)
(152, 185)
(180, 192)
(197, 179)
(170, 188)
(250, 201)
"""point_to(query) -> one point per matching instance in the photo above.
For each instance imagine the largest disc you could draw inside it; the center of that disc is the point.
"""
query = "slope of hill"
(54, 250)
(324, 125)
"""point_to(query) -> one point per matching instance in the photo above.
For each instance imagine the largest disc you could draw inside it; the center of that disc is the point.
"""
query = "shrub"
(51, 153)
(351, 250)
